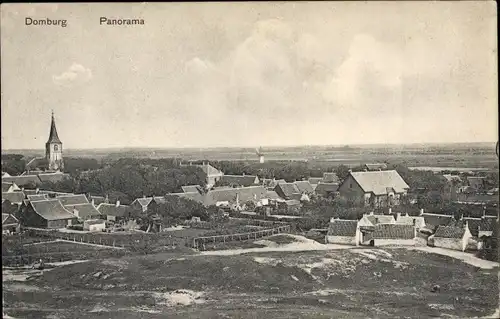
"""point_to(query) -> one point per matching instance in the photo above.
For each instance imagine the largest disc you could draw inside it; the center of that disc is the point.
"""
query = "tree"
(342, 172)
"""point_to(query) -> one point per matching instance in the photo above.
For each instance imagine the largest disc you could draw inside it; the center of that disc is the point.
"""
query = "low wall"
(343, 240)
(449, 243)
(395, 242)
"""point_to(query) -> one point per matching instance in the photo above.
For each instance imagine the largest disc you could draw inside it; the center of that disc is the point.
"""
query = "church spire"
(53, 137)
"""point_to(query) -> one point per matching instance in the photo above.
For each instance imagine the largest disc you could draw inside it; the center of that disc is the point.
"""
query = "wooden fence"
(199, 242)
(28, 259)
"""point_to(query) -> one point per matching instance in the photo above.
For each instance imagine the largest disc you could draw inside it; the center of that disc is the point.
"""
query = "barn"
(46, 214)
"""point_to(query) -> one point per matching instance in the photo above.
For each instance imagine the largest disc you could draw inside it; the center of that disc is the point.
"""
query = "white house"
(380, 219)
(451, 237)
(394, 234)
(417, 221)
(343, 231)
(94, 225)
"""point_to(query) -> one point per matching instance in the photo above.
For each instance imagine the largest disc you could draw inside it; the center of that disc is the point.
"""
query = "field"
(473, 155)
(317, 281)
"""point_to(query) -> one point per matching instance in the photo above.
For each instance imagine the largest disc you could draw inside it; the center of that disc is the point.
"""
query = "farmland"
(341, 283)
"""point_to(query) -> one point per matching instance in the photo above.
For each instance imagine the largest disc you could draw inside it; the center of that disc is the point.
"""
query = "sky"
(250, 74)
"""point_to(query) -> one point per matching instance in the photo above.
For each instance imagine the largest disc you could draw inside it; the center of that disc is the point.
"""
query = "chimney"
(143, 196)
(484, 212)
(243, 174)
(371, 213)
(407, 215)
(376, 220)
(92, 201)
(421, 211)
(414, 222)
(390, 211)
(398, 215)
(117, 203)
(37, 190)
(332, 219)
(466, 224)
(106, 199)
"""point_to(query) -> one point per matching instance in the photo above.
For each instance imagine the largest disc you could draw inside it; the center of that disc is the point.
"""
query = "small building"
(476, 183)
(314, 181)
(72, 199)
(94, 225)
(28, 181)
(433, 221)
(327, 190)
(10, 224)
(380, 219)
(140, 205)
(289, 207)
(9, 187)
(114, 212)
(330, 177)
(47, 214)
(451, 237)
(240, 180)
(375, 189)
(343, 231)
(394, 234)
(375, 167)
(417, 221)
(304, 187)
(14, 197)
(288, 191)
(85, 211)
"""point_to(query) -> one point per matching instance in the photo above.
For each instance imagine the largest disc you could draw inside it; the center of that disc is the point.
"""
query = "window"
(350, 185)
(56, 148)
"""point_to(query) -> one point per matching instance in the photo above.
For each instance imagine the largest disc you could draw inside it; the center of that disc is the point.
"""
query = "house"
(304, 187)
(329, 177)
(380, 219)
(96, 200)
(235, 196)
(195, 196)
(14, 197)
(289, 207)
(272, 196)
(47, 214)
(10, 224)
(212, 174)
(394, 234)
(343, 231)
(240, 180)
(451, 237)
(433, 221)
(83, 211)
(417, 221)
(314, 181)
(37, 197)
(270, 184)
(94, 225)
(140, 205)
(5, 174)
(375, 167)
(476, 183)
(68, 200)
(114, 212)
(288, 191)
(327, 190)
(53, 177)
(376, 189)
(9, 187)
(28, 181)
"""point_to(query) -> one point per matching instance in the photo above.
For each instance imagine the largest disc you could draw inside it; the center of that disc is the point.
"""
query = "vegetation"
(13, 164)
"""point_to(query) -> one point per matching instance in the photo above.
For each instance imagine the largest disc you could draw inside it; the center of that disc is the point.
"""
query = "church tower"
(53, 149)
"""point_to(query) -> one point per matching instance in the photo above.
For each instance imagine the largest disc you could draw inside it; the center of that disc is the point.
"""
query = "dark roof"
(239, 180)
(197, 197)
(8, 219)
(271, 195)
(51, 209)
(375, 166)
(13, 197)
(192, 189)
(53, 177)
(394, 231)
(476, 224)
(304, 187)
(113, 209)
(287, 189)
(326, 188)
(97, 199)
(73, 199)
(434, 220)
(475, 181)
(53, 137)
(378, 182)
(22, 180)
(342, 227)
(84, 210)
(6, 186)
(330, 177)
(449, 232)
(252, 193)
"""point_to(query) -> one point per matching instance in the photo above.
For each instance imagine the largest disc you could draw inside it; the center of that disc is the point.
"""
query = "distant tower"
(53, 149)
(260, 155)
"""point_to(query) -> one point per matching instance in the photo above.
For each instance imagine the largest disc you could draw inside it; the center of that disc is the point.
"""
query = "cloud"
(76, 73)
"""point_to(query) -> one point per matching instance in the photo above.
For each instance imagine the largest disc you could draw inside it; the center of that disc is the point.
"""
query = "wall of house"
(346, 240)
(449, 243)
(398, 242)
(351, 190)
(61, 223)
(95, 227)
(31, 219)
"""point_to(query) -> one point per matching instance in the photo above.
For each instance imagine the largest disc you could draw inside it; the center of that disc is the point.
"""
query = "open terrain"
(288, 278)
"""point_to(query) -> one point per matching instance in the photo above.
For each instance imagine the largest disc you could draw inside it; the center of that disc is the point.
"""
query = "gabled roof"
(287, 189)
(84, 210)
(476, 224)
(113, 210)
(197, 197)
(272, 195)
(449, 232)
(51, 209)
(97, 199)
(209, 170)
(6, 186)
(72, 199)
(192, 189)
(252, 193)
(375, 166)
(23, 180)
(330, 177)
(240, 180)
(435, 220)
(53, 177)
(342, 227)
(143, 201)
(14, 197)
(8, 219)
(418, 221)
(377, 182)
(394, 231)
(304, 187)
